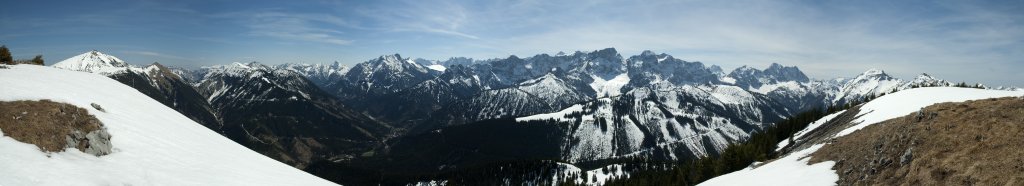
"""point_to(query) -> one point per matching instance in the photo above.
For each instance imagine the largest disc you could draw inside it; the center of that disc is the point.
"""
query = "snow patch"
(790, 170)
(909, 101)
(732, 95)
(765, 89)
(559, 116)
(439, 68)
(611, 87)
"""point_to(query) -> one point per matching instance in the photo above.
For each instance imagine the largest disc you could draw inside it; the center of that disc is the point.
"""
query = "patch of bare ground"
(971, 143)
(53, 126)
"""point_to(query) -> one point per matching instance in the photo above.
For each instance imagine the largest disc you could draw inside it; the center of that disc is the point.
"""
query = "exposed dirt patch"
(972, 143)
(54, 126)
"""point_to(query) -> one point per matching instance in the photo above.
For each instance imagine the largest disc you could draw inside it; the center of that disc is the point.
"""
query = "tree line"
(7, 59)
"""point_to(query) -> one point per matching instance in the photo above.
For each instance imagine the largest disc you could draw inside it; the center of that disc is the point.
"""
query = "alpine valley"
(568, 118)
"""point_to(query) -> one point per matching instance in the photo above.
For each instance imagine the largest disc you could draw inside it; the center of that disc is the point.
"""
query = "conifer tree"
(5, 56)
(38, 60)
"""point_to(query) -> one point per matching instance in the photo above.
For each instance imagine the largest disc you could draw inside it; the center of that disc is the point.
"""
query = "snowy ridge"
(256, 76)
(908, 101)
(320, 74)
(687, 121)
(553, 90)
(153, 144)
(92, 61)
(793, 169)
(870, 83)
(925, 80)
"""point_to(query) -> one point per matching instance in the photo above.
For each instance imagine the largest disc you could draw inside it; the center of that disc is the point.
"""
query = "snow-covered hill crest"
(795, 164)
(153, 144)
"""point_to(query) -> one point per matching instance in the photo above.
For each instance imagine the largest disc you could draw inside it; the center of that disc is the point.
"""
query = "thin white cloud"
(304, 36)
(436, 17)
(322, 28)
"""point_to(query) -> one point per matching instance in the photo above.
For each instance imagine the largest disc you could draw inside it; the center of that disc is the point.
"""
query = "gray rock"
(96, 142)
(907, 157)
(99, 143)
(97, 107)
(920, 114)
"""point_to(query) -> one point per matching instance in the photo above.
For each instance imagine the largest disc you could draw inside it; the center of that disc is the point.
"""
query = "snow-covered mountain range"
(590, 106)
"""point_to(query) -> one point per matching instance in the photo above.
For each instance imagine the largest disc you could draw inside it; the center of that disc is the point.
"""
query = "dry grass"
(972, 143)
(46, 123)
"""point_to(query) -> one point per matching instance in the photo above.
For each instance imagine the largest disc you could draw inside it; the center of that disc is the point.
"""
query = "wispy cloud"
(322, 28)
(436, 17)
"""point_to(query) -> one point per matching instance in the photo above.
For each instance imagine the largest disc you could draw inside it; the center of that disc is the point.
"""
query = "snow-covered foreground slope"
(792, 169)
(908, 101)
(152, 144)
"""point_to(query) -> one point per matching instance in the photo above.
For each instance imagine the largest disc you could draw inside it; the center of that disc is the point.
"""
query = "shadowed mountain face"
(281, 114)
(156, 81)
(278, 113)
(159, 83)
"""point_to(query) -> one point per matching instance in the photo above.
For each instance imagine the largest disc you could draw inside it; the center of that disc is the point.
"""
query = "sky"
(971, 41)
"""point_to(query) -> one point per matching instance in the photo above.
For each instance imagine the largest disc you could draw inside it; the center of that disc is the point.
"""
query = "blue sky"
(971, 41)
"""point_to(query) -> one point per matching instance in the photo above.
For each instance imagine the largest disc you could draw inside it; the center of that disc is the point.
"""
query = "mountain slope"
(878, 110)
(156, 81)
(870, 83)
(153, 144)
(967, 143)
(319, 74)
(283, 115)
(92, 61)
(384, 75)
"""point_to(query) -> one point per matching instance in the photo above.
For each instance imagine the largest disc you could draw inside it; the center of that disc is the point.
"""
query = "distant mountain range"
(579, 108)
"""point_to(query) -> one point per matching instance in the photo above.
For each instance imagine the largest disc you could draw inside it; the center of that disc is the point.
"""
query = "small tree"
(38, 60)
(5, 56)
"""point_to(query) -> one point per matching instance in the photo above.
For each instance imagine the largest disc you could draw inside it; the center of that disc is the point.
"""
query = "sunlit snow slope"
(152, 144)
(792, 169)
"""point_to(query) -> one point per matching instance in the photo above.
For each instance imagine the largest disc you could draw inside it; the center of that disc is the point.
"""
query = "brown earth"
(49, 125)
(971, 143)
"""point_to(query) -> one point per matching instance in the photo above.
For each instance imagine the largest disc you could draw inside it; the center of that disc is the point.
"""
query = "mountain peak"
(608, 50)
(157, 66)
(647, 53)
(873, 72)
(92, 61)
(391, 57)
(747, 76)
(784, 73)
